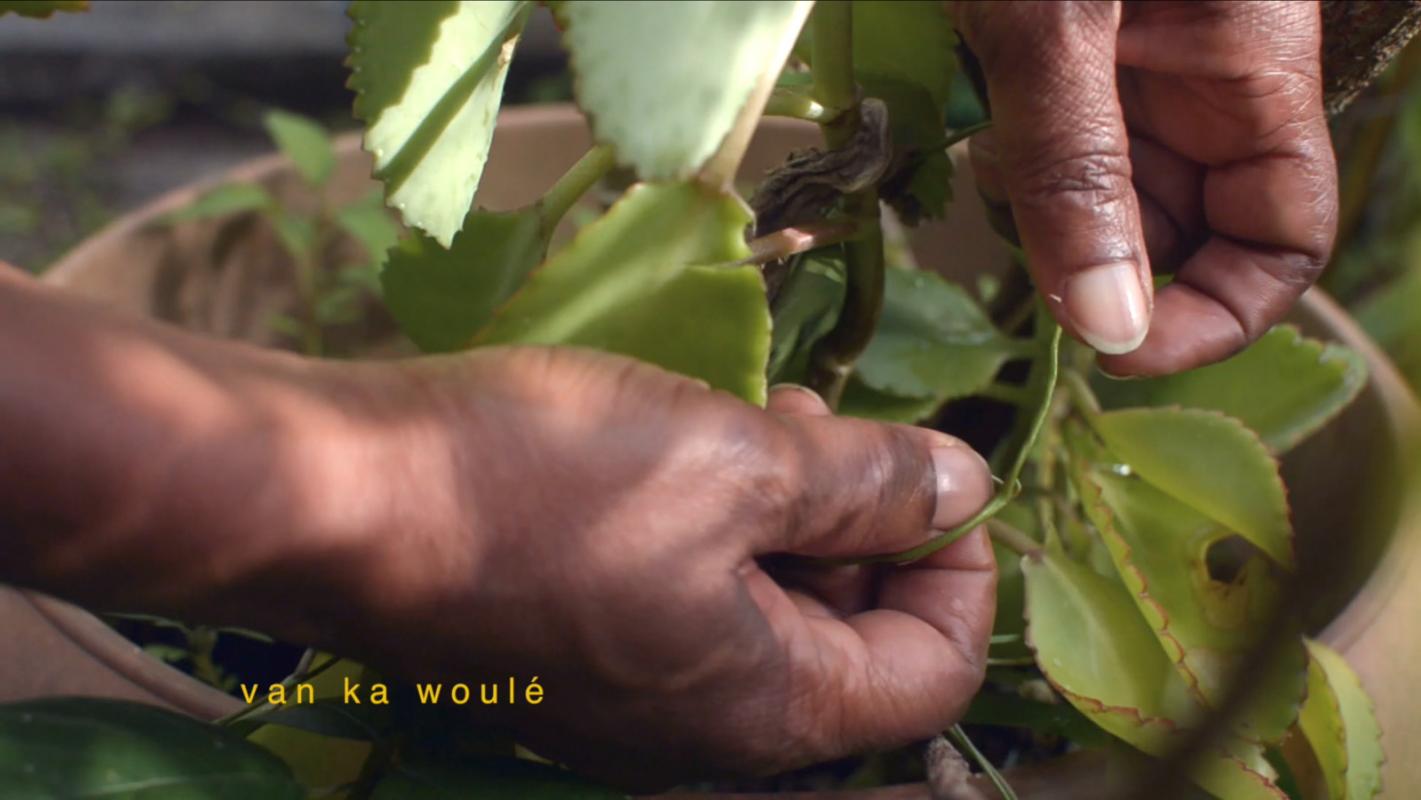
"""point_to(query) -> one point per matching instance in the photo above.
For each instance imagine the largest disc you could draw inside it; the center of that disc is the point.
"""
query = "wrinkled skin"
(514, 512)
(618, 531)
(1183, 135)
(625, 574)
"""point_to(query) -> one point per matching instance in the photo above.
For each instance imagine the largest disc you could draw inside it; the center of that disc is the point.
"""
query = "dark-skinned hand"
(1184, 136)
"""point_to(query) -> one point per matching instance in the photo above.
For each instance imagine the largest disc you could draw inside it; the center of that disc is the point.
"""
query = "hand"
(1186, 135)
(600, 524)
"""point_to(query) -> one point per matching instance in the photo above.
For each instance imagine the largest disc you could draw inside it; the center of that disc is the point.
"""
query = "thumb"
(862, 488)
(1060, 150)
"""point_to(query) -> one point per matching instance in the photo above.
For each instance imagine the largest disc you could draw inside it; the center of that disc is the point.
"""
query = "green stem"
(832, 57)
(832, 359)
(1080, 391)
(1044, 375)
(798, 105)
(959, 738)
(1012, 538)
(574, 184)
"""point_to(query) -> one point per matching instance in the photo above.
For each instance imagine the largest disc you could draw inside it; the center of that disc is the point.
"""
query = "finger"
(842, 590)
(1064, 160)
(863, 488)
(1273, 217)
(1167, 187)
(789, 398)
(893, 674)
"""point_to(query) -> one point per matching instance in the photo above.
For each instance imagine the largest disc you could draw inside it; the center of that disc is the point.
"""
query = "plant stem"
(788, 242)
(1012, 538)
(959, 738)
(574, 184)
(1043, 380)
(797, 105)
(833, 357)
(718, 173)
(833, 68)
(1080, 391)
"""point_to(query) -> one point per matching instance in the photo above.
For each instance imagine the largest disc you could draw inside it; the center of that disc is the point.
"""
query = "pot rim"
(192, 696)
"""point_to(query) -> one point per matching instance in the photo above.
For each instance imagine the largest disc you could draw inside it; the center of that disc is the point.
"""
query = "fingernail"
(964, 485)
(1108, 308)
(780, 387)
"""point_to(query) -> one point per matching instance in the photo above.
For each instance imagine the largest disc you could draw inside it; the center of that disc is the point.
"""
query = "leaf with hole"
(487, 779)
(428, 80)
(667, 120)
(1096, 650)
(442, 297)
(1341, 727)
(933, 341)
(1208, 462)
(1308, 383)
(654, 278)
(93, 748)
(1207, 627)
(303, 141)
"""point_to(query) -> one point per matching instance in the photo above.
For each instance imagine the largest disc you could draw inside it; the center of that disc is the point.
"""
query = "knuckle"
(1090, 177)
(1000, 34)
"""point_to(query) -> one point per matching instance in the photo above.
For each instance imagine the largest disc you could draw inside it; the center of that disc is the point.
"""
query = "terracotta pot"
(1344, 482)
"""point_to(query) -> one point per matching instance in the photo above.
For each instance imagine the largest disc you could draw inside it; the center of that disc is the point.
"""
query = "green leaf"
(911, 40)
(861, 401)
(805, 310)
(1053, 719)
(428, 79)
(1239, 772)
(920, 183)
(488, 779)
(369, 224)
(1390, 317)
(303, 141)
(664, 83)
(1308, 383)
(1207, 627)
(932, 342)
(440, 297)
(92, 748)
(41, 9)
(1340, 726)
(1209, 462)
(296, 233)
(226, 200)
(652, 279)
(1098, 652)
(904, 54)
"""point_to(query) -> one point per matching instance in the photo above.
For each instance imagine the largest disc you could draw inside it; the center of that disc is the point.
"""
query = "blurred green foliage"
(1376, 267)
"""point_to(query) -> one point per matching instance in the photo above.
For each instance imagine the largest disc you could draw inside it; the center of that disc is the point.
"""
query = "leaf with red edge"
(1209, 462)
